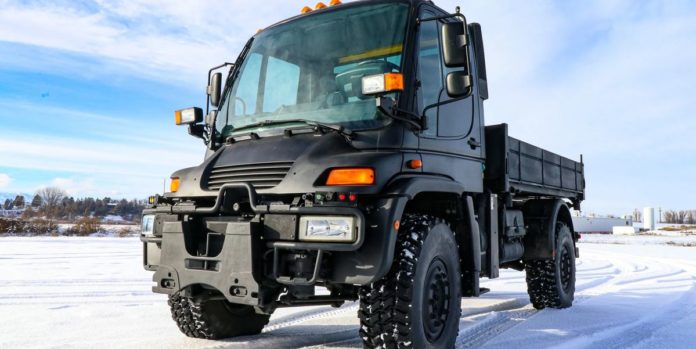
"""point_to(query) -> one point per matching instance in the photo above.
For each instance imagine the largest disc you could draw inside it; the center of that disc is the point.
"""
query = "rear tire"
(215, 319)
(418, 303)
(551, 282)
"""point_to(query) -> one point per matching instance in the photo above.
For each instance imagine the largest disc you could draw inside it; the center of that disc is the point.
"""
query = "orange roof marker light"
(319, 6)
(335, 2)
(174, 184)
(306, 9)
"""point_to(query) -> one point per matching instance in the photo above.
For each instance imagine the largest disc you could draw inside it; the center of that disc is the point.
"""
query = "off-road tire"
(215, 319)
(551, 282)
(424, 280)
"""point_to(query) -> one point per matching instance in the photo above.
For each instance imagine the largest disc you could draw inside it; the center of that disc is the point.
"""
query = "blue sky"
(88, 88)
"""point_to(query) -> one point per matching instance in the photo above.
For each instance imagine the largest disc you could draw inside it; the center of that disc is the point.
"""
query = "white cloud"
(5, 180)
(179, 41)
(75, 186)
(94, 157)
(613, 80)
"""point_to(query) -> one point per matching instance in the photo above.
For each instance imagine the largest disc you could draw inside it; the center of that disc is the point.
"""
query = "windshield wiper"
(346, 133)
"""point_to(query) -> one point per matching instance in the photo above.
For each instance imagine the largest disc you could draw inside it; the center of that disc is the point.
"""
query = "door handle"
(473, 143)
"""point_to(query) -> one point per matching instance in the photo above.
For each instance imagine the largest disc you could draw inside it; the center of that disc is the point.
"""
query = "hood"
(287, 164)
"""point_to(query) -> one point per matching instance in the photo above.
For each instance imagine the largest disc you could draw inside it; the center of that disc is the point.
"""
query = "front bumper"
(253, 253)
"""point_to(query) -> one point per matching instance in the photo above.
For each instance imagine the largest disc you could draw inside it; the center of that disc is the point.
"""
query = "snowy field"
(92, 292)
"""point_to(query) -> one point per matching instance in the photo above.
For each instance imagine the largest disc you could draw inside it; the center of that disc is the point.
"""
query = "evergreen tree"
(36, 202)
(19, 202)
(7, 205)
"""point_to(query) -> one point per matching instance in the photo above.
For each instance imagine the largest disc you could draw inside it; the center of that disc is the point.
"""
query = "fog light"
(147, 226)
(327, 228)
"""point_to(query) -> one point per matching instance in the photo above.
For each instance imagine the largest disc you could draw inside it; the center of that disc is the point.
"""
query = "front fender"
(405, 189)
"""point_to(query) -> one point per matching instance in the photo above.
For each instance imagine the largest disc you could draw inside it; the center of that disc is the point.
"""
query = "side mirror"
(214, 89)
(458, 84)
(454, 43)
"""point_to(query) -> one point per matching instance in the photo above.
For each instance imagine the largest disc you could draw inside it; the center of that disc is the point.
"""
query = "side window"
(247, 89)
(275, 94)
(429, 71)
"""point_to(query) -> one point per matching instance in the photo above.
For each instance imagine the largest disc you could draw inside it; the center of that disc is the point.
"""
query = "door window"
(429, 72)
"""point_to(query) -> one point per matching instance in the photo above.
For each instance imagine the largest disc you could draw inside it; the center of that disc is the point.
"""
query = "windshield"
(311, 69)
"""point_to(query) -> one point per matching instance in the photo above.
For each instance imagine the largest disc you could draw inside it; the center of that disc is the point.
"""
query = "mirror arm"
(210, 74)
(210, 121)
(436, 18)
(387, 106)
(198, 131)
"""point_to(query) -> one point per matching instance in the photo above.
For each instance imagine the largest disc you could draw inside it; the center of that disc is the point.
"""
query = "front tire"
(215, 319)
(551, 282)
(417, 304)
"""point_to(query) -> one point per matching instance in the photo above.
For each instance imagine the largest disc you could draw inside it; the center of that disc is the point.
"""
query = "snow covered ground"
(71, 292)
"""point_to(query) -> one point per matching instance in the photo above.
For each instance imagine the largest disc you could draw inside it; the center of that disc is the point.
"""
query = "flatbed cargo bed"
(523, 169)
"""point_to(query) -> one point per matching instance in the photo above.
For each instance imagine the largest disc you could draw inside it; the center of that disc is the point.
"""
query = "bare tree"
(681, 217)
(690, 217)
(51, 197)
(637, 216)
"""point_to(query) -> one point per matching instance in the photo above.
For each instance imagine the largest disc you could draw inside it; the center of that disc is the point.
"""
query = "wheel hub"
(436, 301)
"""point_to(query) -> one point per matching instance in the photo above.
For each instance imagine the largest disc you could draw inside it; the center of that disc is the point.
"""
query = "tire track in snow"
(627, 324)
(635, 332)
(602, 278)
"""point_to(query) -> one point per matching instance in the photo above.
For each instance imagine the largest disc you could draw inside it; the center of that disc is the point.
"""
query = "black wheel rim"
(436, 300)
(566, 267)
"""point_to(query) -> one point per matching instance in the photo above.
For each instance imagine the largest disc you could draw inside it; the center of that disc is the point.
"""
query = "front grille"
(260, 175)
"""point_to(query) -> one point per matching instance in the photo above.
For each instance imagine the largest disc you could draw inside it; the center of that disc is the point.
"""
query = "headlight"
(148, 225)
(327, 228)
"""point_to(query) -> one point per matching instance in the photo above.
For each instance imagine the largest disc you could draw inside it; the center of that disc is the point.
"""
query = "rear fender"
(541, 216)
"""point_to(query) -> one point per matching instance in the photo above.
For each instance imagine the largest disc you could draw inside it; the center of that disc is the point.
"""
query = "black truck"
(347, 159)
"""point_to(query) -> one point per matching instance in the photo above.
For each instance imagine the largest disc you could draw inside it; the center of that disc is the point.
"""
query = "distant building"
(113, 219)
(11, 213)
(599, 225)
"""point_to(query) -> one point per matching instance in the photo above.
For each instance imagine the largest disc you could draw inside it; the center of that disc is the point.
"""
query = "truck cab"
(346, 148)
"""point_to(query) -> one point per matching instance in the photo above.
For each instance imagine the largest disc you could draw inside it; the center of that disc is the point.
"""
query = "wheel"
(551, 282)
(215, 319)
(417, 304)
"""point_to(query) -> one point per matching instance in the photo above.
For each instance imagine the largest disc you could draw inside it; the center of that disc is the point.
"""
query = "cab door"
(451, 144)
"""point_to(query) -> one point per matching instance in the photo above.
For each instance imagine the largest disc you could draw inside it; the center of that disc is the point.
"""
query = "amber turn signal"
(415, 164)
(393, 82)
(351, 176)
(174, 185)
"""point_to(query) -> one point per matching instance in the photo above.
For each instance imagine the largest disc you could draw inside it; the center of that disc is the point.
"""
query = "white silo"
(649, 218)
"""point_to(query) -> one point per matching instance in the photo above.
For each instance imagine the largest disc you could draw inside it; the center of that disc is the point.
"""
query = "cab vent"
(259, 175)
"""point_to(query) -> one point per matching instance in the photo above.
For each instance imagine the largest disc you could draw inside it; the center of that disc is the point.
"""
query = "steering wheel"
(243, 105)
